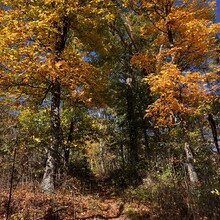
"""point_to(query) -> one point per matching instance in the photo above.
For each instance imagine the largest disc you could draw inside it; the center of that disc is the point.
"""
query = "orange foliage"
(178, 63)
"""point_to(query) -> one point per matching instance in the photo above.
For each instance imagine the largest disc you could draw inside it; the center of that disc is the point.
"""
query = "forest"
(109, 109)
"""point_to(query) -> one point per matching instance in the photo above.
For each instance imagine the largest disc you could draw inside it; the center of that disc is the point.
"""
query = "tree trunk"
(193, 177)
(52, 163)
(133, 145)
(214, 131)
(190, 164)
(47, 184)
(69, 140)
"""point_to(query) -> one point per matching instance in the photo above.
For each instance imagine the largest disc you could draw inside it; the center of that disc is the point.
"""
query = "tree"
(125, 81)
(176, 63)
(42, 55)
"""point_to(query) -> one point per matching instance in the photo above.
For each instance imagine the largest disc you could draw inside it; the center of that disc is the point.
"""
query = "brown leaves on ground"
(29, 203)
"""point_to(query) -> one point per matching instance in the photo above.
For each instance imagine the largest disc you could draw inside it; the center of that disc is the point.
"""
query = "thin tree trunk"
(12, 173)
(132, 126)
(214, 132)
(146, 143)
(69, 140)
(101, 154)
(133, 145)
(131, 116)
(122, 153)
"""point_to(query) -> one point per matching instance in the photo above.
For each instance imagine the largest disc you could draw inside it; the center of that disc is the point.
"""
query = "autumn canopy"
(112, 90)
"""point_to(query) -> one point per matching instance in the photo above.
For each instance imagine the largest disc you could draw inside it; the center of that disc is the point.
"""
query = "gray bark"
(47, 184)
(190, 164)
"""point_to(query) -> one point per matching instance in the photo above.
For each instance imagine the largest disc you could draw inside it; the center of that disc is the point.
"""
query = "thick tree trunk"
(52, 163)
(47, 184)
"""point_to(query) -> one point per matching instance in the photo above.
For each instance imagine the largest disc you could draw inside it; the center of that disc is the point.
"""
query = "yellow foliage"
(31, 33)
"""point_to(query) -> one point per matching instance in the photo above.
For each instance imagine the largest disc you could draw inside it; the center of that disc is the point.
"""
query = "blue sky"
(218, 10)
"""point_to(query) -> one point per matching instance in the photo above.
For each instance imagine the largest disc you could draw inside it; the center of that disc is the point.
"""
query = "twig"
(12, 175)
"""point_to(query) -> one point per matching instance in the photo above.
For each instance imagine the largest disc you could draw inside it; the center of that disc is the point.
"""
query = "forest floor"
(73, 200)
